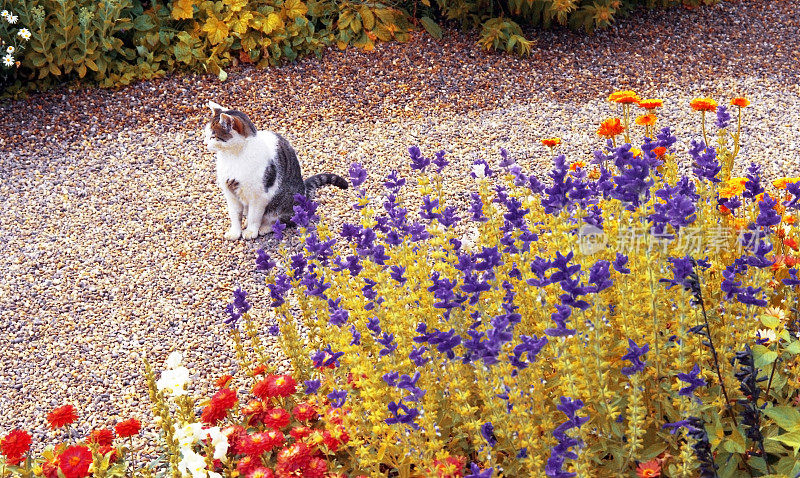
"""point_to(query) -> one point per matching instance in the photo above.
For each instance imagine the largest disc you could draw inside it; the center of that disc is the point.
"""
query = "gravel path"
(111, 230)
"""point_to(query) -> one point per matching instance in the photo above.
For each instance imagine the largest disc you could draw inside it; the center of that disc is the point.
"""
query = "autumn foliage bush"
(113, 42)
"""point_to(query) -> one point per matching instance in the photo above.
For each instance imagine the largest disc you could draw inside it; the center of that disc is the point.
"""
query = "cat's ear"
(233, 122)
(215, 108)
(225, 121)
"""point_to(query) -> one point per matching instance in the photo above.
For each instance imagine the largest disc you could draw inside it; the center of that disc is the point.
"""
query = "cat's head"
(227, 129)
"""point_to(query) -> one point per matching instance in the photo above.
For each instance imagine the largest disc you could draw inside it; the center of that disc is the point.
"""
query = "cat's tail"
(319, 180)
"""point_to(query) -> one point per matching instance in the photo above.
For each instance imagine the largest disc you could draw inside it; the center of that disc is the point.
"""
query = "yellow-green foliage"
(362, 296)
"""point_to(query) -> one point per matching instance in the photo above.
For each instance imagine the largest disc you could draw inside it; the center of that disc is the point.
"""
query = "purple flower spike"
(357, 174)
(723, 117)
(418, 161)
(476, 472)
(277, 230)
(439, 161)
(694, 381)
(634, 355)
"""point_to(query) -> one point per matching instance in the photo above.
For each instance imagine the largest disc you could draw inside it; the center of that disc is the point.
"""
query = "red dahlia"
(15, 445)
(62, 416)
(305, 411)
(103, 437)
(110, 451)
(298, 433)
(256, 444)
(293, 458)
(128, 428)
(317, 468)
(224, 380)
(281, 385)
(247, 465)
(261, 473)
(74, 461)
(276, 418)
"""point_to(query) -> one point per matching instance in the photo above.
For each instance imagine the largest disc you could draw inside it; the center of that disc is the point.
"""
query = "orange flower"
(626, 97)
(651, 104)
(577, 164)
(781, 183)
(724, 210)
(660, 151)
(703, 104)
(791, 243)
(646, 120)
(740, 101)
(223, 380)
(650, 469)
(733, 187)
(103, 437)
(610, 128)
(789, 220)
(62, 416)
(551, 142)
(594, 174)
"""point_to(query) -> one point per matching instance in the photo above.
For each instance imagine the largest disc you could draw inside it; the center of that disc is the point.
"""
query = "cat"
(258, 173)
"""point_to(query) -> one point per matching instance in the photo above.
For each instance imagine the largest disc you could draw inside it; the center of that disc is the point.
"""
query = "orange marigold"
(650, 469)
(577, 164)
(551, 142)
(646, 120)
(781, 183)
(626, 97)
(610, 128)
(703, 104)
(740, 101)
(651, 104)
(660, 151)
(732, 187)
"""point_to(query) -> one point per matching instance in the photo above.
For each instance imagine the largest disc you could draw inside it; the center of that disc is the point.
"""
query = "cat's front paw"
(249, 233)
(233, 234)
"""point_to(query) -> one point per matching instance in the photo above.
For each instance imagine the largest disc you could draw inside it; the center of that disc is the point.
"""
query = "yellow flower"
(636, 152)
(577, 164)
(703, 104)
(733, 187)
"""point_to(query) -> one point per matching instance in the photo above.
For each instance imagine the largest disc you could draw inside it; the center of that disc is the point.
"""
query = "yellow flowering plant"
(590, 324)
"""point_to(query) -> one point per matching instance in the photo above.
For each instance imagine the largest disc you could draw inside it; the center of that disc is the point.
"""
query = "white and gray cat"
(258, 173)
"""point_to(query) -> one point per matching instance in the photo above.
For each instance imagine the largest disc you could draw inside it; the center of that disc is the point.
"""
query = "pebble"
(111, 230)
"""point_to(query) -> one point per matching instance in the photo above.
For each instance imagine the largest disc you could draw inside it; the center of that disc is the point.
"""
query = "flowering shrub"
(621, 318)
(95, 455)
(277, 432)
(13, 38)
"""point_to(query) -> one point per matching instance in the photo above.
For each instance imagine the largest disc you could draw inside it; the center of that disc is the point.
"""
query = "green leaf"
(431, 27)
(143, 23)
(785, 417)
(769, 321)
(222, 75)
(791, 440)
(765, 358)
(793, 348)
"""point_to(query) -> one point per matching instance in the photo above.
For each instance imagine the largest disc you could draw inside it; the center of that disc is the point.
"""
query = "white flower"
(10, 49)
(8, 60)
(12, 19)
(187, 435)
(4, 13)
(767, 334)
(174, 360)
(479, 170)
(192, 463)
(174, 381)
(24, 33)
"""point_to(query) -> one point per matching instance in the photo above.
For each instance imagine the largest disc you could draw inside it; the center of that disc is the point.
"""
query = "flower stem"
(705, 136)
